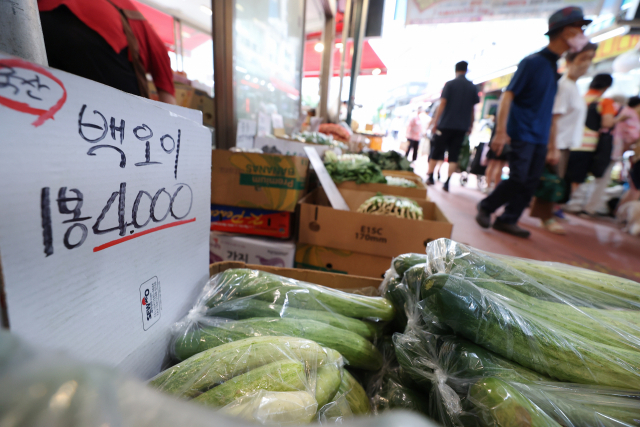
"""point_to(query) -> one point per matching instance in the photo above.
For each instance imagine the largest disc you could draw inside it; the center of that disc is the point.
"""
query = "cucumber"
(327, 382)
(404, 262)
(245, 308)
(277, 376)
(486, 319)
(503, 406)
(280, 408)
(238, 283)
(204, 370)
(357, 351)
(355, 395)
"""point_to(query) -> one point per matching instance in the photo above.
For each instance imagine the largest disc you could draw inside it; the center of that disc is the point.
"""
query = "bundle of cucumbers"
(270, 379)
(501, 341)
(245, 318)
(400, 207)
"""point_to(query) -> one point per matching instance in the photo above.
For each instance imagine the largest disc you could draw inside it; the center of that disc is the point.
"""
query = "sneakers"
(483, 218)
(512, 229)
(554, 227)
(430, 180)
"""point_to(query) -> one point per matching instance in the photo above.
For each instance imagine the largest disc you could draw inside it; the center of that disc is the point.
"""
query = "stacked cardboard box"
(357, 243)
(254, 194)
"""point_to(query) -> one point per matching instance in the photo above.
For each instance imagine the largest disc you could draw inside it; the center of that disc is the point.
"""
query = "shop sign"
(440, 11)
(615, 46)
(104, 217)
(498, 83)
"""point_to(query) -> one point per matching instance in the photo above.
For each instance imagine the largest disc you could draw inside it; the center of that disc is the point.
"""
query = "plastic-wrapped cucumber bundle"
(400, 207)
(41, 388)
(578, 337)
(390, 388)
(281, 380)
(469, 385)
(242, 303)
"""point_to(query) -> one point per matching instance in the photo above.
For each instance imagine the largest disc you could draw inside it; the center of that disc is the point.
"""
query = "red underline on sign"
(133, 236)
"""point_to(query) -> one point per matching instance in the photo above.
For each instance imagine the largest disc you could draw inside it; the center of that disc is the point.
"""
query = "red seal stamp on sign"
(31, 89)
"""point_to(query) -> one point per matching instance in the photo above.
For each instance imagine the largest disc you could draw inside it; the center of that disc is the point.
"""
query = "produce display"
(337, 131)
(271, 349)
(400, 182)
(500, 341)
(352, 167)
(390, 160)
(400, 207)
(318, 138)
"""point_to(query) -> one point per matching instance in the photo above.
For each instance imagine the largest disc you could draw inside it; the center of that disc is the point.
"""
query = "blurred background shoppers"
(414, 133)
(626, 136)
(452, 121)
(107, 41)
(569, 116)
(593, 155)
(524, 121)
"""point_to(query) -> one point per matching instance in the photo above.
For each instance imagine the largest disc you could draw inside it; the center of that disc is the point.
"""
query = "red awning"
(163, 25)
(370, 60)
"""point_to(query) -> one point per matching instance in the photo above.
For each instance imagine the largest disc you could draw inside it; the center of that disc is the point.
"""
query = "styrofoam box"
(251, 250)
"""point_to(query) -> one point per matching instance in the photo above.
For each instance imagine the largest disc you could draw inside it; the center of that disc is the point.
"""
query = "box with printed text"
(252, 250)
(257, 222)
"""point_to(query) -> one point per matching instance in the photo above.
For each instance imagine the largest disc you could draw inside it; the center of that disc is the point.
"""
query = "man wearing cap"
(524, 122)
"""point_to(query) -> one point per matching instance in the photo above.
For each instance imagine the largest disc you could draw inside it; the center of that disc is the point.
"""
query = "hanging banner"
(444, 11)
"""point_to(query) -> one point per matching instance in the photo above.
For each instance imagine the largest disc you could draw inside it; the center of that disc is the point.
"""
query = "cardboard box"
(330, 280)
(256, 222)
(196, 99)
(289, 147)
(340, 261)
(252, 250)
(415, 193)
(321, 225)
(254, 180)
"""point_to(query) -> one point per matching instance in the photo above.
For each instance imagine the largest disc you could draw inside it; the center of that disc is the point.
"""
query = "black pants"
(413, 145)
(75, 48)
(526, 164)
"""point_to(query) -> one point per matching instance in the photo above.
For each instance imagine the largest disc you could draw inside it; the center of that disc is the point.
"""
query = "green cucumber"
(237, 283)
(357, 351)
(327, 383)
(204, 370)
(503, 406)
(355, 395)
(277, 376)
(404, 262)
(488, 320)
(245, 308)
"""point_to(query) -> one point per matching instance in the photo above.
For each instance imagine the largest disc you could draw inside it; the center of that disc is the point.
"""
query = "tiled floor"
(595, 244)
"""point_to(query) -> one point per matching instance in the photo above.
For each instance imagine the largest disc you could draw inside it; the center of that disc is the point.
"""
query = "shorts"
(449, 140)
(579, 166)
(634, 174)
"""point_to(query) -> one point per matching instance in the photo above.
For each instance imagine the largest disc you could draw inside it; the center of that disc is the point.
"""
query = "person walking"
(414, 133)
(524, 122)
(589, 157)
(452, 121)
(569, 116)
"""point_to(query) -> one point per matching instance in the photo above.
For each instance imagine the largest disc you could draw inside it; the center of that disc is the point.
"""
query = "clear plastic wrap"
(48, 389)
(492, 337)
(242, 303)
(390, 387)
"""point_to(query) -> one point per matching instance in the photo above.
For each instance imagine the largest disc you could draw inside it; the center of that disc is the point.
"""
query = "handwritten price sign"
(105, 216)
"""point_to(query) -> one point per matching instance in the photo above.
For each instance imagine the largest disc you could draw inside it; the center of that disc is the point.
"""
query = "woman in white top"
(569, 116)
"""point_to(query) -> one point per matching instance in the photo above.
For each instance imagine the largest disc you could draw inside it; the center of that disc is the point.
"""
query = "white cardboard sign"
(105, 216)
(264, 124)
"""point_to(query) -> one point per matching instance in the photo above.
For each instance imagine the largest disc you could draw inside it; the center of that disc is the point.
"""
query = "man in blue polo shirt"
(524, 122)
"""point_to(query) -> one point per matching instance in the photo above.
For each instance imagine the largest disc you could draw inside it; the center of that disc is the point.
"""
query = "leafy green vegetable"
(390, 160)
(397, 181)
